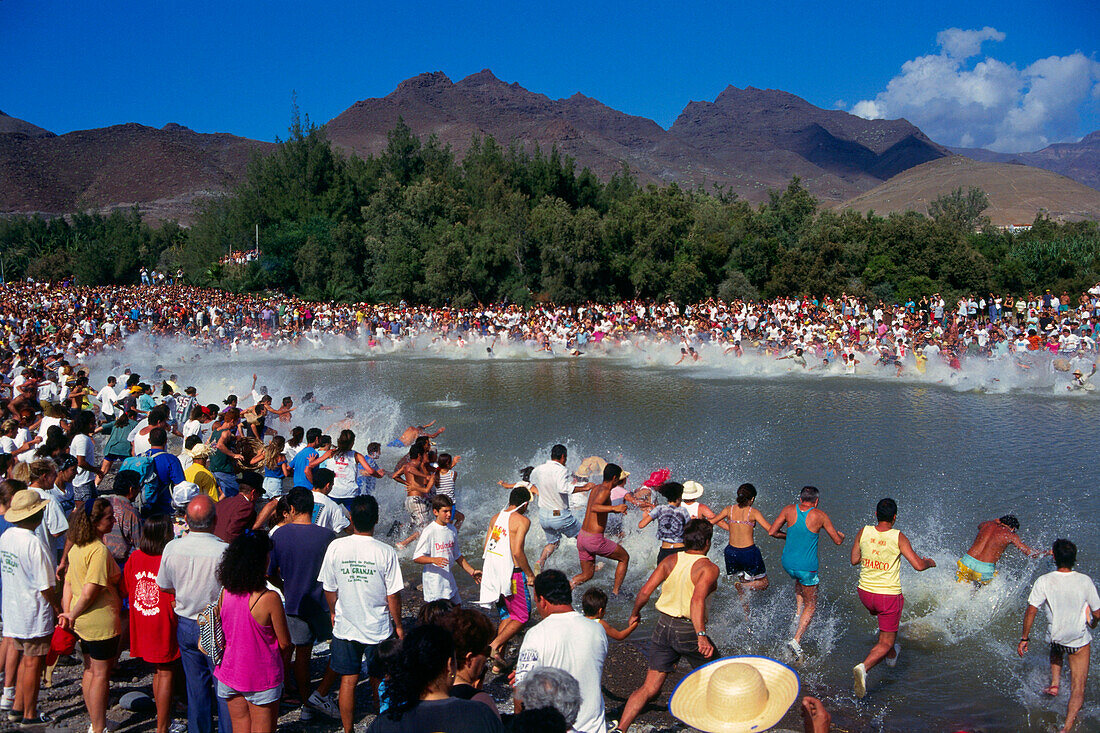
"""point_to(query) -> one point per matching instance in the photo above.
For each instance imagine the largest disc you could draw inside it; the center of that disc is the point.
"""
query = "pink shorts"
(589, 545)
(886, 607)
(517, 606)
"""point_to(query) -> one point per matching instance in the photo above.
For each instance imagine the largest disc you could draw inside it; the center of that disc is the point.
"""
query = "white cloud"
(959, 100)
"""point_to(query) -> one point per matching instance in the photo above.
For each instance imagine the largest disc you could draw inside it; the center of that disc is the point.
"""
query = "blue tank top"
(800, 549)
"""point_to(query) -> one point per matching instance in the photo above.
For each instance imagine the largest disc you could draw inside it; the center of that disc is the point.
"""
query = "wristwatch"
(700, 633)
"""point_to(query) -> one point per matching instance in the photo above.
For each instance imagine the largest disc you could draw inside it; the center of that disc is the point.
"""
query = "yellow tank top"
(880, 568)
(677, 589)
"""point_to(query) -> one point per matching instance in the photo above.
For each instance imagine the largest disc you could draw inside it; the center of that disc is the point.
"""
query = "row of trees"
(415, 223)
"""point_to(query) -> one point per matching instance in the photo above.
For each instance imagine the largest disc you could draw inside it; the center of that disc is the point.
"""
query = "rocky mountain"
(12, 125)
(751, 140)
(165, 171)
(1016, 192)
(1079, 161)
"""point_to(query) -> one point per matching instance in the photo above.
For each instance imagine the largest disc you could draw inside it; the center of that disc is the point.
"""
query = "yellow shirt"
(677, 589)
(204, 479)
(880, 567)
(93, 563)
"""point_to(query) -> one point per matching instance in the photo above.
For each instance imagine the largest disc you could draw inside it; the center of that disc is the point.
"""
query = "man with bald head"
(187, 569)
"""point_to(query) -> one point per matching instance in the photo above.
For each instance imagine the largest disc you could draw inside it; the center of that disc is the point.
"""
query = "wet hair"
(415, 451)
(519, 495)
(156, 532)
(1011, 522)
(745, 494)
(671, 490)
(313, 435)
(593, 601)
(364, 512)
(445, 461)
(432, 611)
(886, 510)
(82, 523)
(297, 434)
(439, 501)
(345, 442)
(300, 499)
(611, 472)
(230, 400)
(558, 452)
(553, 586)
(470, 630)
(809, 494)
(1065, 554)
(323, 477)
(697, 534)
(243, 567)
(423, 659)
(525, 473)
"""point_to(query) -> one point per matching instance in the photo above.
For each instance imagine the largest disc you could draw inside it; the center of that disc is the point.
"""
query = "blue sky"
(232, 66)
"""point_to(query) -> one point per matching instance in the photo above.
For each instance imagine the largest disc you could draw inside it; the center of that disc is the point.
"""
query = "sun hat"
(184, 492)
(25, 503)
(735, 694)
(657, 478)
(200, 451)
(692, 490)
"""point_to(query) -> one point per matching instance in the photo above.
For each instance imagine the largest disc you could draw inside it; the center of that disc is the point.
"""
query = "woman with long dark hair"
(152, 613)
(250, 676)
(419, 690)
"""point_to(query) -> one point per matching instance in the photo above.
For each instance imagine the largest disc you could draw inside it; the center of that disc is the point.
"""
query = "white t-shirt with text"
(363, 572)
(437, 540)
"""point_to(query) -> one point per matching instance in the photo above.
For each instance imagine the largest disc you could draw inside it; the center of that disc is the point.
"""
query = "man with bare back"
(979, 564)
(418, 477)
(411, 433)
(591, 541)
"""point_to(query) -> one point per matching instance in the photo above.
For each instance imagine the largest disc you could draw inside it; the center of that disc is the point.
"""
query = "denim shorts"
(674, 639)
(350, 657)
(263, 697)
(556, 526)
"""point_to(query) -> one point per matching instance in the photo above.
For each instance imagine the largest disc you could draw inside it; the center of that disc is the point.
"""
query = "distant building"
(1017, 228)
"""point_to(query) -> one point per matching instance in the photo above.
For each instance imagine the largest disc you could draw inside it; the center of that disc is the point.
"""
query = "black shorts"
(666, 551)
(102, 650)
(348, 657)
(674, 639)
(745, 562)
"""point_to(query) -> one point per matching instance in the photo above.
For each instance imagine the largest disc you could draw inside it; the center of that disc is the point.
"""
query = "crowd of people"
(232, 557)
(842, 335)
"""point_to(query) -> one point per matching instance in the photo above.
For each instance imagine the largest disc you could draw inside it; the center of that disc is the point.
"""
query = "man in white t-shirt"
(554, 486)
(30, 606)
(438, 551)
(567, 640)
(107, 398)
(1073, 606)
(362, 582)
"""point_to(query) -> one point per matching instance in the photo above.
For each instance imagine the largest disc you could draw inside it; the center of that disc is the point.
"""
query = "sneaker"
(178, 726)
(14, 716)
(897, 653)
(41, 720)
(326, 705)
(795, 647)
(307, 714)
(859, 680)
(6, 703)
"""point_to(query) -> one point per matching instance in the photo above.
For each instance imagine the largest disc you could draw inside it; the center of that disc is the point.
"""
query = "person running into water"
(506, 573)
(1072, 604)
(878, 551)
(411, 433)
(800, 554)
(697, 509)
(979, 564)
(671, 519)
(591, 541)
(743, 558)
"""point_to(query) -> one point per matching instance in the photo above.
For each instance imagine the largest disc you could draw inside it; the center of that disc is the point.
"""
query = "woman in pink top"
(250, 677)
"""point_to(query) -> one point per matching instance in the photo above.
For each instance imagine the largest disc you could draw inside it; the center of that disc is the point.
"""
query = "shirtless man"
(411, 433)
(418, 478)
(591, 541)
(978, 565)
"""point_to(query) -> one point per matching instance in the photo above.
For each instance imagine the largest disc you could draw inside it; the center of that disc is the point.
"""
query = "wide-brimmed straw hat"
(200, 451)
(692, 490)
(735, 695)
(25, 503)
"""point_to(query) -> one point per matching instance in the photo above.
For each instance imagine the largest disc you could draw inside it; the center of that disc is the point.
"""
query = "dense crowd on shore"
(843, 335)
(230, 558)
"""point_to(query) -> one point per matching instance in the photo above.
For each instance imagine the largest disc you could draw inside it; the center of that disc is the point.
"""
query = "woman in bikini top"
(740, 519)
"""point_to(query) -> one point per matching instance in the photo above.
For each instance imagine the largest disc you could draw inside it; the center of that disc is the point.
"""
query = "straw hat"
(692, 490)
(735, 695)
(25, 503)
(200, 451)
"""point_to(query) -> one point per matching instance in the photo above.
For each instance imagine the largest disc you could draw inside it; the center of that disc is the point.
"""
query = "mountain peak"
(421, 82)
(14, 125)
(485, 76)
(751, 96)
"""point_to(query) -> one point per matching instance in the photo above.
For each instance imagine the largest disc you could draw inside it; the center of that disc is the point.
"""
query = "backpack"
(211, 635)
(145, 467)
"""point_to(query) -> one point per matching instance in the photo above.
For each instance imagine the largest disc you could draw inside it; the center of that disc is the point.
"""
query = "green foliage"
(508, 223)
